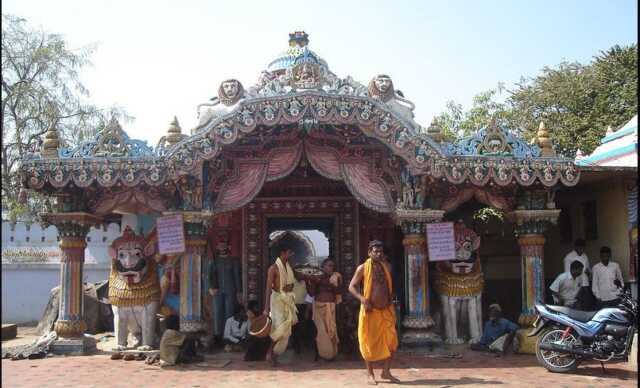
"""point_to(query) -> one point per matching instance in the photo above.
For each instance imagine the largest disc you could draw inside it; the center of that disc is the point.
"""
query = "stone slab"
(9, 331)
(73, 346)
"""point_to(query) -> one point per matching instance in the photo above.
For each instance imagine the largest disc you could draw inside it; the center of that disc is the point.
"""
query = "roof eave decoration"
(306, 95)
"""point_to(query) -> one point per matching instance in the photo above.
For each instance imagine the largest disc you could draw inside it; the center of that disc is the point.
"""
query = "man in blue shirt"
(498, 332)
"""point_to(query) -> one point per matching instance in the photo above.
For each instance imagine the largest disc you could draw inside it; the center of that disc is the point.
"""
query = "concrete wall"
(26, 286)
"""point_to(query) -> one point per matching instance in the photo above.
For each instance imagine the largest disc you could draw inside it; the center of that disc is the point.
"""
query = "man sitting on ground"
(498, 332)
(256, 347)
(176, 347)
(236, 330)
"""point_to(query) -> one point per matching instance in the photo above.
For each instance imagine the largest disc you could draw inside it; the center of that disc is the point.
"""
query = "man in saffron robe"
(377, 335)
(280, 304)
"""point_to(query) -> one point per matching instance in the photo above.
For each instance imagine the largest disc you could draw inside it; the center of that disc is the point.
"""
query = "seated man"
(256, 347)
(236, 330)
(176, 347)
(567, 285)
(498, 332)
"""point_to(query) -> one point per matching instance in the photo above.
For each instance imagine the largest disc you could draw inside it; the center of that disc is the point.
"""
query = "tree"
(576, 102)
(40, 89)
(455, 122)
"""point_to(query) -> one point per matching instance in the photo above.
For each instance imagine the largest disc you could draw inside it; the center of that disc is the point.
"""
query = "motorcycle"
(569, 336)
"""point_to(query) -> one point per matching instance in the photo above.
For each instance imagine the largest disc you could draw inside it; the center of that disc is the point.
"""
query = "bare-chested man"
(280, 304)
(325, 290)
(377, 320)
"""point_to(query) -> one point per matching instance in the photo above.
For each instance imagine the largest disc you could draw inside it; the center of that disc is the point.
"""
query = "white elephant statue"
(459, 283)
(134, 290)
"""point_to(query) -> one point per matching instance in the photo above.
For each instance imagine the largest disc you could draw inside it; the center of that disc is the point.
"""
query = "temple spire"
(544, 141)
(434, 131)
(174, 133)
(51, 142)
(298, 38)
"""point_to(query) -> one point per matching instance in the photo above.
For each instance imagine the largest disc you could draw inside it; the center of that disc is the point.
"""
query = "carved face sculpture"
(230, 91)
(381, 88)
(467, 243)
(305, 75)
(128, 255)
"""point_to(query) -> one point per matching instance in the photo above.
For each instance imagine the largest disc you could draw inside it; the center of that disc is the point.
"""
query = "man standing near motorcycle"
(567, 285)
(578, 254)
(607, 279)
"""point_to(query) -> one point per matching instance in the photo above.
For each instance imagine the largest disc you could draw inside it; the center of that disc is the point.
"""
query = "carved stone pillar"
(530, 226)
(192, 271)
(417, 321)
(70, 325)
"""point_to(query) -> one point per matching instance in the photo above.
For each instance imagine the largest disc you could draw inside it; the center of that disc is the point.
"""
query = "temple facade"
(306, 149)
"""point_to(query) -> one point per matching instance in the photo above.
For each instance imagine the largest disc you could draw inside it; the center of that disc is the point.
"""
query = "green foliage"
(576, 102)
(41, 88)
(486, 213)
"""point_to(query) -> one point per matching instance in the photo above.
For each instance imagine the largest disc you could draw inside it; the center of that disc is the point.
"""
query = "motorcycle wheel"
(554, 361)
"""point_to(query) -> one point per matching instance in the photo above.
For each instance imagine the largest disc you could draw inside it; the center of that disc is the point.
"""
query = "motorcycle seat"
(582, 316)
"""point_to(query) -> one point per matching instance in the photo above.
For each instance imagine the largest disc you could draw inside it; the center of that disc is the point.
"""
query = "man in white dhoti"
(280, 304)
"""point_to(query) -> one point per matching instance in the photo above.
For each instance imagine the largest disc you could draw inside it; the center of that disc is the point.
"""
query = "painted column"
(532, 256)
(530, 226)
(192, 271)
(72, 229)
(417, 321)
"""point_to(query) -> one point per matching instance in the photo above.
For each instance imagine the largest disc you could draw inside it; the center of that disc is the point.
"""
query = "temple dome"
(298, 42)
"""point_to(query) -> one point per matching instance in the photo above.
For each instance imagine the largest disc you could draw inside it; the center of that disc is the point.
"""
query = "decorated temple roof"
(617, 148)
(297, 50)
(298, 91)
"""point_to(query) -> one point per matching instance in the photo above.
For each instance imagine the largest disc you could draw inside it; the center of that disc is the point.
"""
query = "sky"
(160, 59)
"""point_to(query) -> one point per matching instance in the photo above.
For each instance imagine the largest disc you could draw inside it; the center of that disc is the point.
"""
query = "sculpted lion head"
(128, 256)
(381, 88)
(467, 244)
(230, 92)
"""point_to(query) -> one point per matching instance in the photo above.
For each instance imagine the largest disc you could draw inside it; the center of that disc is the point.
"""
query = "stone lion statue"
(229, 93)
(381, 88)
(134, 289)
(459, 283)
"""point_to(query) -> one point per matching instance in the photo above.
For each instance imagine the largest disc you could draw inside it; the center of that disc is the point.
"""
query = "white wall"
(26, 286)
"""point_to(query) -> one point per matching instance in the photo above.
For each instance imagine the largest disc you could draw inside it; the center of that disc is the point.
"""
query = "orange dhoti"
(377, 334)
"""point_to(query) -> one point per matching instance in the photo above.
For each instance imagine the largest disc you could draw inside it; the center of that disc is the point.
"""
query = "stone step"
(9, 331)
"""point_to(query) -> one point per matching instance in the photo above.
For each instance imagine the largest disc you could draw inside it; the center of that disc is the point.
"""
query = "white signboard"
(441, 242)
(170, 234)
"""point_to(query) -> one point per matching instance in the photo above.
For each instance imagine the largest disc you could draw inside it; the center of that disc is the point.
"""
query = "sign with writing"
(441, 241)
(170, 234)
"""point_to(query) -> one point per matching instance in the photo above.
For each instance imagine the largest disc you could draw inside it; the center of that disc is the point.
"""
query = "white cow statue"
(459, 283)
(134, 289)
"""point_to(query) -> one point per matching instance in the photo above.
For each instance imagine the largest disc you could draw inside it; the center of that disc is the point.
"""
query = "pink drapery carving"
(282, 161)
(358, 175)
(131, 201)
(366, 186)
(482, 196)
(243, 186)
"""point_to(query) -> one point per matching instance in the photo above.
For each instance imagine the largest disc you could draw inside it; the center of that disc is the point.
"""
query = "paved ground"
(414, 369)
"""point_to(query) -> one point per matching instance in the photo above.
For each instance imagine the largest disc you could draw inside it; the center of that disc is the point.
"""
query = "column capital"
(531, 240)
(413, 221)
(73, 224)
(533, 221)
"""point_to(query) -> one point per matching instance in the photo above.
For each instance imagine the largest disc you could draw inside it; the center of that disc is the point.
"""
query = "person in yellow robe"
(280, 304)
(377, 334)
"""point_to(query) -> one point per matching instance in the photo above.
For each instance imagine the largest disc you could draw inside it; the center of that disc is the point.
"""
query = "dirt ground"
(443, 367)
